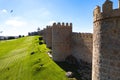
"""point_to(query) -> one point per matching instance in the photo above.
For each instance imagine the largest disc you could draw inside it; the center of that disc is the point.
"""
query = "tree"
(38, 29)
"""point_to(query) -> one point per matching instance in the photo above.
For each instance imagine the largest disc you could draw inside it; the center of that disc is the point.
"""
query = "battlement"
(83, 35)
(48, 27)
(107, 11)
(62, 25)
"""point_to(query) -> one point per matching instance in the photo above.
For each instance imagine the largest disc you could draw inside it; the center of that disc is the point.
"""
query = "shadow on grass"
(68, 67)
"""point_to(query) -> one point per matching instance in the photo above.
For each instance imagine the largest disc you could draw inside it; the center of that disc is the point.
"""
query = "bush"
(19, 36)
(40, 43)
(37, 61)
(11, 37)
(32, 53)
(37, 67)
(40, 38)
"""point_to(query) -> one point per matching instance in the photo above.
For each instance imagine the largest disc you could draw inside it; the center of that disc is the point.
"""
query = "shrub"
(40, 38)
(11, 37)
(32, 53)
(37, 61)
(40, 43)
(37, 67)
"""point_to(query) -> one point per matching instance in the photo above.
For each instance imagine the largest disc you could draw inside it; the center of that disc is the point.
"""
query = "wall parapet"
(82, 35)
(62, 25)
(107, 11)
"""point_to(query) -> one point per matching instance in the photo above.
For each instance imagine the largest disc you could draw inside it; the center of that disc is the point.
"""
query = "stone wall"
(43, 33)
(82, 46)
(61, 41)
(106, 43)
(49, 36)
(64, 42)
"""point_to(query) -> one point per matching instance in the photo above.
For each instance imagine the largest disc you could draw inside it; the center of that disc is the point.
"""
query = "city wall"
(82, 46)
(64, 42)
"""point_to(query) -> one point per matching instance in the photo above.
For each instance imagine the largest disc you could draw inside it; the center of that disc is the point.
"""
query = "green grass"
(25, 59)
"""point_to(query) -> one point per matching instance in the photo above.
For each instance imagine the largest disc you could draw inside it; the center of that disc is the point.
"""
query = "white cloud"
(15, 23)
(3, 11)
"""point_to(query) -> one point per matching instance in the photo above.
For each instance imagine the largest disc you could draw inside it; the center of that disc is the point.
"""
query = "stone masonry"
(61, 41)
(82, 46)
(106, 43)
(65, 43)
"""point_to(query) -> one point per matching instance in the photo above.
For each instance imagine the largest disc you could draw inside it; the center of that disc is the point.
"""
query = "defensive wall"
(82, 46)
(61, 41)
(65, 43)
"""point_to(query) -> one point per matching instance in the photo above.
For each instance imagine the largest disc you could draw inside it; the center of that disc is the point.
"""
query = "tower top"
(107, 6)
(108, 1)
(107, 11)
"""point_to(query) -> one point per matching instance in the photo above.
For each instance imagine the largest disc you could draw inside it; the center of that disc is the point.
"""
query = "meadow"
(26, 59)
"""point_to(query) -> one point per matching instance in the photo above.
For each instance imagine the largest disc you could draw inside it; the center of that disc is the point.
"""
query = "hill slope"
(25, 59)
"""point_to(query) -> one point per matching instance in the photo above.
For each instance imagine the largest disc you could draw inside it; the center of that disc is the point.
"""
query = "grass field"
(25, 59)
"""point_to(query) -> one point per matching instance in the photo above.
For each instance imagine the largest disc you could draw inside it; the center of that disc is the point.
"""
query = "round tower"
(106, 43)
(61, 41)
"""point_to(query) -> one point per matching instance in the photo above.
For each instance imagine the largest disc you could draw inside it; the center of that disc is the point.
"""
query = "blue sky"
(28, 15)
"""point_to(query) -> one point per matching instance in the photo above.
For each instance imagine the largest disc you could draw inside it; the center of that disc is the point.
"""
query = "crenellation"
(107, 7)
(83, 35)
(107, 12)
(70, 24)
(54, 24)
(97, 10)
(63, 24)
(67, 24)
(58, 24)
(47, 27)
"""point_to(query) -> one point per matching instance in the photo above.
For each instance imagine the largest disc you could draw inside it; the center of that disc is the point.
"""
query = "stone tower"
(106, 43)
(49, 36)
(61, 41)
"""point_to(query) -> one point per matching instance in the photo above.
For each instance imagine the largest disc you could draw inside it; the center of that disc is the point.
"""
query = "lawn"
(25, 59)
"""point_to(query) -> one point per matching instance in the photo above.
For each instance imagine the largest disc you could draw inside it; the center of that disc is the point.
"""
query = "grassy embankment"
(25, 59)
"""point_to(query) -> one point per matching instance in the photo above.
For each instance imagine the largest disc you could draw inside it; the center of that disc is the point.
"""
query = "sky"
(18, 17)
